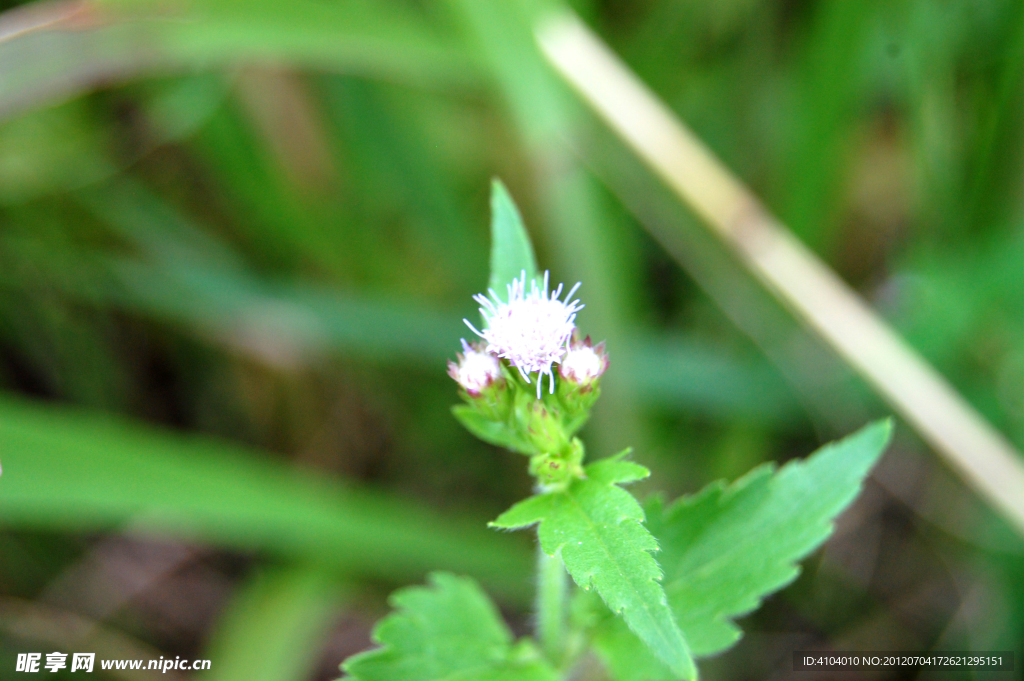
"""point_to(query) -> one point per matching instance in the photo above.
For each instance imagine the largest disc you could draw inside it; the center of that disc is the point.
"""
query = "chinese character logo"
(55, 661)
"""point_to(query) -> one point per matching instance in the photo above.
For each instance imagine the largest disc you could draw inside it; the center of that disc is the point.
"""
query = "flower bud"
(559, 468)
(542, 426)
(583, 364)
(476, 369)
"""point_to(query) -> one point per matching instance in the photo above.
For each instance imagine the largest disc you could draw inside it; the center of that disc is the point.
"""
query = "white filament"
(532, 329)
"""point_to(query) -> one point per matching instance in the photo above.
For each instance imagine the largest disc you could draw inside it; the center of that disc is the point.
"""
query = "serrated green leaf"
(447, 631)
(596, 527)
(511, 250)
(625, 655)
(727, 547)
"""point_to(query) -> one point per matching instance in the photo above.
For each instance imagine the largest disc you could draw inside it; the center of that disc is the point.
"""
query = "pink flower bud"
(476, 369)
(583, 363)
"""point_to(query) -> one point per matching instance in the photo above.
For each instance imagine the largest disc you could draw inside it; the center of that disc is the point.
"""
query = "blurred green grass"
(261, 223)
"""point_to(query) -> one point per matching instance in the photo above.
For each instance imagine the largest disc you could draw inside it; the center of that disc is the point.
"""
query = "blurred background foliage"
(237, 240)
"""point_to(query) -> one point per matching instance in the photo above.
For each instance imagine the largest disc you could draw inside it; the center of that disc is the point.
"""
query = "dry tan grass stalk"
(985, 459)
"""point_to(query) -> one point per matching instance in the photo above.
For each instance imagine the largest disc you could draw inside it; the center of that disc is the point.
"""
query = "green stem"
(552, 587)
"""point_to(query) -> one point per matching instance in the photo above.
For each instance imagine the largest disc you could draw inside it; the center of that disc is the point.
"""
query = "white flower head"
(531, 329)
(476, 369)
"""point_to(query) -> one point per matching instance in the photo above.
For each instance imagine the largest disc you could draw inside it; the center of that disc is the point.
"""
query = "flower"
(476, 369)
(584, 363)
(531, 330)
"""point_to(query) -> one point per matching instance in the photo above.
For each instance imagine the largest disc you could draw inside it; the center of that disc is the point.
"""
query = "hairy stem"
(552, 587)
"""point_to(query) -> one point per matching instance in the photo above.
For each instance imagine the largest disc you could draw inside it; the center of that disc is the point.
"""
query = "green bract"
(510, 415)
